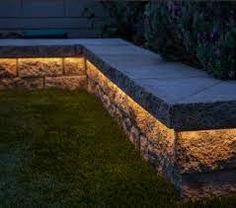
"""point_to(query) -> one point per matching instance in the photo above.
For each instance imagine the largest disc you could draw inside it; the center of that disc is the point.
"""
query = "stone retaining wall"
(199, 163)
(199, 159)
(39, 73)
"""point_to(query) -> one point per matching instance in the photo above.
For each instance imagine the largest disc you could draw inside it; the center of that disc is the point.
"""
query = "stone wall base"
(208, 185)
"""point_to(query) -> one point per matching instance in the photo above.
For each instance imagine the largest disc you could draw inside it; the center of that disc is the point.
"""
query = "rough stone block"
(21, 83)
(136, 122)
(204, 151)
(194, 161)
(54, 51)
(66, 82)
(74, 66)
(208, 185)
(144, 147)
(8, 68)
(36, 51)
(39, 67)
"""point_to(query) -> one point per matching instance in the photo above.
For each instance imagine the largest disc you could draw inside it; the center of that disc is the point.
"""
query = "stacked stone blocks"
(200, 163)
(39, 73)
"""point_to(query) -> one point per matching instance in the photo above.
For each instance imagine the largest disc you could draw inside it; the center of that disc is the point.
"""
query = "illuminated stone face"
(39, 73)
(8, 68)
(33, 67)
(193, 160)
(66, 82)
(206, 150)
(74, 66)
(22, 83)
(154, 140)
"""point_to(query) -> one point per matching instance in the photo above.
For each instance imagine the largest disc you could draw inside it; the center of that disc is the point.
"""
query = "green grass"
(62, 149)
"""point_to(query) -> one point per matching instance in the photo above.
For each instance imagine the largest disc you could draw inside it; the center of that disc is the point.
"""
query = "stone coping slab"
(181, 97)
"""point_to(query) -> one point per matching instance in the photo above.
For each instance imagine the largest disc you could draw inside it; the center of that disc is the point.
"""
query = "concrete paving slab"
(123, 49)
(174, 90)
(224, 91)
(146, 66)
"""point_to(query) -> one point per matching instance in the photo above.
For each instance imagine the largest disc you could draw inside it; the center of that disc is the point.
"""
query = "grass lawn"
(62, 149)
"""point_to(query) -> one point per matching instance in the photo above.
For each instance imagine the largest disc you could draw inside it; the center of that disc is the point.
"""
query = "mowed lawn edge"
(62, 149)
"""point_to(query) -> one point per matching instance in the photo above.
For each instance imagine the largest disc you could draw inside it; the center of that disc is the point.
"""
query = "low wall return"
(198, 157)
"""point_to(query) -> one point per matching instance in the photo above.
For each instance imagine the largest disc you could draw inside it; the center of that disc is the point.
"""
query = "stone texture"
(173, 93)
(223, 91)
(208, 185)
(8, 68)
(167, 96)
(204, 151)
(152, 104)
(120, 49)
(17, 52)
(144, 146)
(55, 51)
(175, 90)
(151, 95)
(21, 83)
(74, 66)
(25, 51)
(198, 116)
(39, 67)
(66, 82)
(136, 122)
(147, 67)
(195, 161)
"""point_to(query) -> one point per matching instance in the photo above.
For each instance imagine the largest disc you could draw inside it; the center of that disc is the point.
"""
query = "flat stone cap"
(181, 97)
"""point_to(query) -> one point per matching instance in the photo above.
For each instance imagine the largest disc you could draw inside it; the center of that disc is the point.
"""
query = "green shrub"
(197, 32)
(126, 20)
(159, 33)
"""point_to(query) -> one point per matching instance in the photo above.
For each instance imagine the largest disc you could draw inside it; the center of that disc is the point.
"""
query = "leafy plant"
(197, 32)
(159, 33)
(126, 19)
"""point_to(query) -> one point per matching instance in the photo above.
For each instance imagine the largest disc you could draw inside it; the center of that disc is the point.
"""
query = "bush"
(197, 32)
(127, 18)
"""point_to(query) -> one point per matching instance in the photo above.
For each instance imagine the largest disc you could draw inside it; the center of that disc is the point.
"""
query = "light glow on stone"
(190, 150)
(154, 137)
(206, 148)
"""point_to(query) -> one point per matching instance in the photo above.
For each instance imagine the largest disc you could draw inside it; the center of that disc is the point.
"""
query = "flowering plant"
(201, 33)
